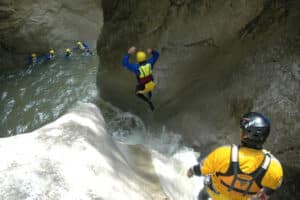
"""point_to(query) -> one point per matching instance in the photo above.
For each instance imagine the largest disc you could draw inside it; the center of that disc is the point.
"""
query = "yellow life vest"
(234, 171)
(237, 181)
(145, 77)
(145, 71)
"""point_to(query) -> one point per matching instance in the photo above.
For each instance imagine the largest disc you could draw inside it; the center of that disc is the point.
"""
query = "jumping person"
(143, 71)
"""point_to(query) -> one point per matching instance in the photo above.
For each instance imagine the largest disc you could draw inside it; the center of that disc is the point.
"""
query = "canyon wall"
(28, 26)
(219, 59)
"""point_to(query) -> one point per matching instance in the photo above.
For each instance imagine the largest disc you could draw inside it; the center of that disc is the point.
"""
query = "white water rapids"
(74, 158)
(72, 153)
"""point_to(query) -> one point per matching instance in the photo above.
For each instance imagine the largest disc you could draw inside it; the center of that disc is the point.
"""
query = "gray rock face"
(35, 26)
(219, 59)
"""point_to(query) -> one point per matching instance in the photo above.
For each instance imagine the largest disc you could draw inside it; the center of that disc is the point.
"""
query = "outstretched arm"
(195, 170)
(212, 163)
(154, 57)
(264, 194)
(130, 66)
(271, 181)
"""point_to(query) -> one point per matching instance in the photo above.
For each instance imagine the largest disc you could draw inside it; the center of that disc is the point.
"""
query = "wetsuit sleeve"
(47, 57)
(197, 170)
(268, 191)
(130, 66)
(153, 58)
(273, 176)
(217, 161)
(85, 45)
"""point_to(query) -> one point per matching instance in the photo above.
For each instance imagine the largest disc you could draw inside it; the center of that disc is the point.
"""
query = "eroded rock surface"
(219, 59)
(35, 26)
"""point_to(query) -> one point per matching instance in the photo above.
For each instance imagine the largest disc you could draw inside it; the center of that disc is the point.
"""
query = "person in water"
(245, 171)
(68, 53)
(83, 47)
(50, 56)
(143, 71)
(34, 59)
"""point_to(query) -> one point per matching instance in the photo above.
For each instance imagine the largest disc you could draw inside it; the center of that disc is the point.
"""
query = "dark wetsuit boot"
(149, 95)
(146, 99)
(151, 105)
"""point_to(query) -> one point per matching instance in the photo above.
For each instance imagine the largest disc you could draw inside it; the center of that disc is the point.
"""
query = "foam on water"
(170, 157)
(67, 166)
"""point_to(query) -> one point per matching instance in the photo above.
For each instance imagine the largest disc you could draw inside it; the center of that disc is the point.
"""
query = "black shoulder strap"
(261, 171)
(233, 164)
(234, 170)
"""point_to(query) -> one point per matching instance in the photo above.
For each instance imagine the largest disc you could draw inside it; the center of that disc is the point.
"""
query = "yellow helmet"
(51, 51)
(33, 55)
(79, 43)
(68, 50)
(141, 56)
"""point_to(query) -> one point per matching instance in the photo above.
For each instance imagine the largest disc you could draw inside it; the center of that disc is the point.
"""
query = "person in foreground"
(242, 172)
(143, 70)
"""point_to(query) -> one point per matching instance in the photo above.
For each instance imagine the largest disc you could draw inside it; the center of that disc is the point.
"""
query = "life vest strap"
(236, 189)
(145, 70)
(235, 165)
(234, 170)
(145, 79)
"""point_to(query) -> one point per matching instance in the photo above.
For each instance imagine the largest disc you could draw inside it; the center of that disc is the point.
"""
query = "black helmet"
(256, 129)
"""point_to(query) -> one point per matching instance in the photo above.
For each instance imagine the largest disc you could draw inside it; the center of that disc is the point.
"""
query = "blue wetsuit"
(32, 61)
(83, 48)
(68, 55)
(49, 57)
(134, 67)
(85, 45)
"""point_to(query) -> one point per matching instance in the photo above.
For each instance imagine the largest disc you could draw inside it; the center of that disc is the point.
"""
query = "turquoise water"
(36, 95)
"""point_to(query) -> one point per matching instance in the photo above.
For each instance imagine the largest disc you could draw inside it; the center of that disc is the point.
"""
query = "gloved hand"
(149, 51)
(261, 195)
(132, 50)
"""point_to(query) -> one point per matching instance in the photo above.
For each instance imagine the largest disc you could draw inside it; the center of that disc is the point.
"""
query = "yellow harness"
(145, 71)
(244, 183)
(148, 88)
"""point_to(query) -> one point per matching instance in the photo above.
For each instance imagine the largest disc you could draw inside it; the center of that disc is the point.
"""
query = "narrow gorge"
(218, 60)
